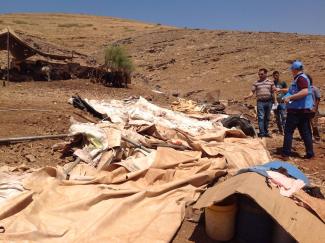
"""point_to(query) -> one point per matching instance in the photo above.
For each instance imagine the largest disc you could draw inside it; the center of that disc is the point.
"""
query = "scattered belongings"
(262, 206)
(152, 127)
(190, 107)
(139, 166)
(240, 122)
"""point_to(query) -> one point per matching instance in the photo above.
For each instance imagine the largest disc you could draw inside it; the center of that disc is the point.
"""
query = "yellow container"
(220, 221)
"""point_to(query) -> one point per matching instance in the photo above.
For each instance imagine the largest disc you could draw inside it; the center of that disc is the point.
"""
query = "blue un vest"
(306, 102)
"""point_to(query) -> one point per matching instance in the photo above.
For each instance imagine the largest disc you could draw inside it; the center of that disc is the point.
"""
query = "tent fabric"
(297, 221)
(20, 49)
(123, 193)
(102, 206)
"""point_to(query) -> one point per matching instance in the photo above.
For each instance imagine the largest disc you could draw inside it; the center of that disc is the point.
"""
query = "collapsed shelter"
(29, 62)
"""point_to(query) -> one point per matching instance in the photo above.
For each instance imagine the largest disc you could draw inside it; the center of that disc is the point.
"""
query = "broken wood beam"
(70, 168)
(86, 117)
(135, 144)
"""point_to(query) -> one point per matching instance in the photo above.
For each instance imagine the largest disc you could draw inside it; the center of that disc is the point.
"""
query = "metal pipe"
(31, 138)
(11, 109)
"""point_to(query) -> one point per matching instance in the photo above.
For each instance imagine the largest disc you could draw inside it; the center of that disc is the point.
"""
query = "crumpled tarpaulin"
(304, 226)
(10, 185)
(124, 192)
(108, 206)
(143, 112)
(152, 126)
(239, 151)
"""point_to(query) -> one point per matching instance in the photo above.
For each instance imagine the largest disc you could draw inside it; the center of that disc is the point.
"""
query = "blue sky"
(300, 16)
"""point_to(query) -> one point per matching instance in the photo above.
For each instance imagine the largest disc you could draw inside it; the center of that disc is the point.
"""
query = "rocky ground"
(179, 62)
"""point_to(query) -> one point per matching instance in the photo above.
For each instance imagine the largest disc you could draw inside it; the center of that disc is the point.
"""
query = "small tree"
(120, 65)
(117, 59)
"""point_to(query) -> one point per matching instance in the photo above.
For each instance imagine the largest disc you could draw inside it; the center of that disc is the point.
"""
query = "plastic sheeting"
(108, 206)
(148, 113)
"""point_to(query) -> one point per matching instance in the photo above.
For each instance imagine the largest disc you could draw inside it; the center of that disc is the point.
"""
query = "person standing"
(299, 104)
(314, 120)
(280, 111)
(264, 89)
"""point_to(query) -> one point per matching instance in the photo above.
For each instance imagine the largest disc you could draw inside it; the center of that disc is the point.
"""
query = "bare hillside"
(185, 61)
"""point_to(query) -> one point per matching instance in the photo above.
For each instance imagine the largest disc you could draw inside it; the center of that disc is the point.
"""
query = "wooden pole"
(8, 59)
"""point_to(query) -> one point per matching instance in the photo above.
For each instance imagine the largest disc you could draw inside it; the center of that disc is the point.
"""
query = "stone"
(30, 158)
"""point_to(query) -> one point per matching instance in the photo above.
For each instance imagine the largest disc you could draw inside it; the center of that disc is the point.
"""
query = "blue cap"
(296, 65)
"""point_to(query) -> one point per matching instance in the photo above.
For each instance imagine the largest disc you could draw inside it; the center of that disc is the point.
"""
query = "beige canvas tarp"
(117, 206)
(296, 220)
(20, 49)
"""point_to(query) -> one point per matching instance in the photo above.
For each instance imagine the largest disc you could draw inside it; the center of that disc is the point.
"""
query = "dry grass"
(77, 25)
(20, 22)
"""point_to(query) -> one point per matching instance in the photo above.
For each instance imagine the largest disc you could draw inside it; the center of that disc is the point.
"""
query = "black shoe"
(309, 156)
(285, 157)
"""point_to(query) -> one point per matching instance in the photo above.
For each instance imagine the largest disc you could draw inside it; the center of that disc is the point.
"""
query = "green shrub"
(117, 59)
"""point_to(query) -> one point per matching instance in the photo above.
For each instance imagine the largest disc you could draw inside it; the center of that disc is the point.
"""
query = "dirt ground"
(190, 63)
(52, 116)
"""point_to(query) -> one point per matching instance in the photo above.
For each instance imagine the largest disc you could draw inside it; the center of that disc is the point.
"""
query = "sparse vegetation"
(86, 25)
(18, 21)
(128, 29)
(117, 59)
(70, 25)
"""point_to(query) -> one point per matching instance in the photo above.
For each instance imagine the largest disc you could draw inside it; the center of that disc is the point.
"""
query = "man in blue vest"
(299, 103)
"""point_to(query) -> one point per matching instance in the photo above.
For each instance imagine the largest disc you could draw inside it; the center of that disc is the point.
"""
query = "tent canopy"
(20, 49)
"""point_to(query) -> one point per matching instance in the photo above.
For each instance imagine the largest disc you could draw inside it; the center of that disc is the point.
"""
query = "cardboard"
(297, 221)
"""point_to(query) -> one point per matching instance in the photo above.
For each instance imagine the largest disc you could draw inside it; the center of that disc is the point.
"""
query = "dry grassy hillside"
(185, 61)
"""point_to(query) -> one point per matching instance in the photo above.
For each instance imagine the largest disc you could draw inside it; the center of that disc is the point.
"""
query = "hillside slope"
(185, 61)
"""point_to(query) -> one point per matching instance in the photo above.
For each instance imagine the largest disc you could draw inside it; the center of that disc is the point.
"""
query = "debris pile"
(149, 126)
(139, 169)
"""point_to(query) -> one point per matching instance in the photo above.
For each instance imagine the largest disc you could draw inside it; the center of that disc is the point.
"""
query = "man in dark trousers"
(280, 111)
(299, 103)
(314, 120)
(264, 89)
